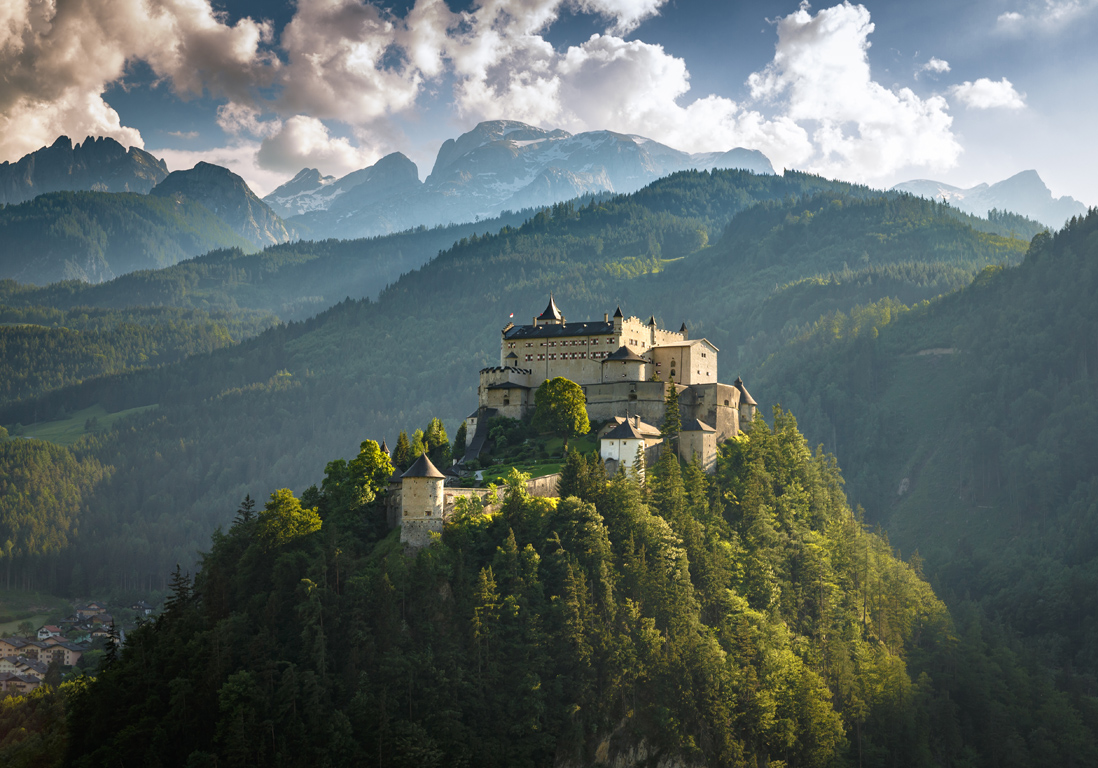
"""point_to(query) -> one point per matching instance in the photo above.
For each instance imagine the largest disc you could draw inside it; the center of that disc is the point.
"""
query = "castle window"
(529, 343)
(726, 402)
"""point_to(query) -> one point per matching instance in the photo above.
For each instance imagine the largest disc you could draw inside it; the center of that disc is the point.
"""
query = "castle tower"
(748, 405)
(421, 502)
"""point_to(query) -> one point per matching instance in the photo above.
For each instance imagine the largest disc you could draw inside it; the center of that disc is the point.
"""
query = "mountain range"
(99, 164)
(499, 165)
(1024, 193)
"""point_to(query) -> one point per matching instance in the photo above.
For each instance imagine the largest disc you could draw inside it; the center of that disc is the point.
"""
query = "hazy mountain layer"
(228, 197)
(499, 165)
(969, 428)
(1023, 193)
(96, 236)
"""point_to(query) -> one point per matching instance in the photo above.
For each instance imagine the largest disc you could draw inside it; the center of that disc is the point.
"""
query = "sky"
(877, 92)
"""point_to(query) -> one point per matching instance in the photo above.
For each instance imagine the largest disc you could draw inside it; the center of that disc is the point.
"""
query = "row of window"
(567, 343)
(571, 356)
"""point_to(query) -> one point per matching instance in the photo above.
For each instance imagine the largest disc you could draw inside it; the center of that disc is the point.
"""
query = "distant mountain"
(1023, 193)
(99, 164)
(230, 198)
(499, 165)
(97, 236)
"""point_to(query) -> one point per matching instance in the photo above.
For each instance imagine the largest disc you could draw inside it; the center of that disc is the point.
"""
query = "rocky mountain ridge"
(1024, 193)
(499, 165)
(99, 164)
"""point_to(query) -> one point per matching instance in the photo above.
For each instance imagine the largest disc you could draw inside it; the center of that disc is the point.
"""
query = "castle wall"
(645, 399)
(694, 362)
(715, 404)
(417, 533)
(704, 444)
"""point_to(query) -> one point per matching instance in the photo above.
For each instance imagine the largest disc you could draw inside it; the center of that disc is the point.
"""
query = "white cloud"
(240, 119)
(988, 94)
(935, 65)
(184, 134)
(304, 141)
(239, 157)
(820, 75)
(815, 106)
(59, 58)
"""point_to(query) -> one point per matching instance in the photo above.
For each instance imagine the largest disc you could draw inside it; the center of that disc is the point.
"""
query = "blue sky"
(879, 92)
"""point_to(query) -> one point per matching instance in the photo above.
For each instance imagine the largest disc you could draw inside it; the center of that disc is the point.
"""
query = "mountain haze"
(1023, 193)
(499, 165)
(227, 196)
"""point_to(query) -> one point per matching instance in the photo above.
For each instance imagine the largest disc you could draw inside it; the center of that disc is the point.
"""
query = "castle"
(625, 366)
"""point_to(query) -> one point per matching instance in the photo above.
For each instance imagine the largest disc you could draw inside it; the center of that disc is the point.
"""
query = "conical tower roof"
(617, 312)
(745, 395)
(385, 448)
(551, 312)
(423, 468)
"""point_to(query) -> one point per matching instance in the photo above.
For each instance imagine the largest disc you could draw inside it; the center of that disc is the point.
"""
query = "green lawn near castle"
(68, 430)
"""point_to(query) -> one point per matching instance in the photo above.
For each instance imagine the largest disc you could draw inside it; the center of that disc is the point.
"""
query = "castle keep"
(624, 365)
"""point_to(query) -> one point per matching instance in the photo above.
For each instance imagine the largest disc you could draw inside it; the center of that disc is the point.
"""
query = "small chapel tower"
(421, 502)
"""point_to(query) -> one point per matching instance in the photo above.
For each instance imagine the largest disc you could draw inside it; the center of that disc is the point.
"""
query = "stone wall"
(417, 533)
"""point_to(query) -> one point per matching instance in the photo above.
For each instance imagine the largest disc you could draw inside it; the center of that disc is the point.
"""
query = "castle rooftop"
(422, 468)
(589, 328)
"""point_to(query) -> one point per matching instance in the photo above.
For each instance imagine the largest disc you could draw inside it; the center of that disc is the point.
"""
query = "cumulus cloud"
(988, 94)
(303, 141)
(815, 106)
(820, 75)
(59, 58)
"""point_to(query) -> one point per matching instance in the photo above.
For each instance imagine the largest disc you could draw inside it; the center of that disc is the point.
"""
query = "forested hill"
(743, 619)
(274, 408)
(94, 236)
(969, 428)
(297, 280)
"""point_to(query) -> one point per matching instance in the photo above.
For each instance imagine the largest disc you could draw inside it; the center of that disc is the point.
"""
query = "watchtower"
(421, 502)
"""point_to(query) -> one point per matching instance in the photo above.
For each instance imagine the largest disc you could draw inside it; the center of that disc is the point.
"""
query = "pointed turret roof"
(683, 328)
(745, 395)
(385, 448)
(617, 312)
(694, 425)
(551, 312)
(422, 468)
(652, 320)
(624, 353)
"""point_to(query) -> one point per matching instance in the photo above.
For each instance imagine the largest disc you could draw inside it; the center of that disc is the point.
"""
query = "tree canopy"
(560, 408)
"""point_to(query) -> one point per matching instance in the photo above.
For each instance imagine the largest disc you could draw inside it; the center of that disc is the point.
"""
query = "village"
(70, 646)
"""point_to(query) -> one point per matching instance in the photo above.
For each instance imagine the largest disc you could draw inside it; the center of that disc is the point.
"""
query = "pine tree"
(460, 442)
(402, 454)
(672, 421)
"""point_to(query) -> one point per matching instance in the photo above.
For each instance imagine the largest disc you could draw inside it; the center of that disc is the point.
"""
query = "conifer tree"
(460, 440)
(437, 443)
(402, 454)
(672, 421)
